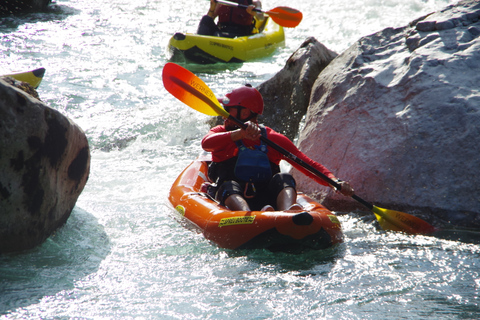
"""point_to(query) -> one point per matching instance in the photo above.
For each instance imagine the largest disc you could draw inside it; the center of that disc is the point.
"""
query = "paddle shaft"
(233, 4)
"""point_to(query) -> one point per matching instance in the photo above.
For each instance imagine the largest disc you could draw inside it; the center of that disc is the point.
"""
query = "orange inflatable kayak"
(315, 227)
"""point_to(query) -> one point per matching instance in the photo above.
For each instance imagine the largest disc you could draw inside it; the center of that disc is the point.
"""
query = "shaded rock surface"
(398, 113)
(8, 7)
(44, 166)
(287, 94)
(24, 86)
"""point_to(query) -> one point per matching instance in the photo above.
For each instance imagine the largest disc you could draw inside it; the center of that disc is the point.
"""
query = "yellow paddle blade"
(285, 16)
(401, 221)
(191, 90)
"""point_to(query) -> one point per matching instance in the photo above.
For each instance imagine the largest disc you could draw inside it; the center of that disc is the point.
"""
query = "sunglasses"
(229, 108)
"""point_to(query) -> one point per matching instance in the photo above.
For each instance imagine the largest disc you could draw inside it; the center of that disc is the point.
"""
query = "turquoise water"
(122, 253)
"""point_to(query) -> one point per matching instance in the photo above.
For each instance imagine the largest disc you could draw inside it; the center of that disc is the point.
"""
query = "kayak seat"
(260, 25)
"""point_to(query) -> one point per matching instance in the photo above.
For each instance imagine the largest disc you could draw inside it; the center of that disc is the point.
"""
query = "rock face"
(398, 115)
(44, 166)
(285, 108)
(8, 7)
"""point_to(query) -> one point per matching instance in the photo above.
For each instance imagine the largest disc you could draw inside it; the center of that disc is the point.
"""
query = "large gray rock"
(287, 94)
(398, 115)
(44, 166)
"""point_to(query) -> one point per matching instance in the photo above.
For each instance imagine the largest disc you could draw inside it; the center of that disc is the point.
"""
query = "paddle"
(192, 91)
(283, 16)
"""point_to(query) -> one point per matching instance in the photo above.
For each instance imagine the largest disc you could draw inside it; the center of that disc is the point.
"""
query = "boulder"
(44, 165)
(398, 113)
(8, 7)
(285, 108)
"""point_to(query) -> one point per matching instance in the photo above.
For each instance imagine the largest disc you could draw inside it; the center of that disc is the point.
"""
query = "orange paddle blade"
(285, 16)
(191, 90)
(401, 221)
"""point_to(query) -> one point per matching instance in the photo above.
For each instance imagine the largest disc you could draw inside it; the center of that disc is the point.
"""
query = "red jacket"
(219, 143)
(238, 16)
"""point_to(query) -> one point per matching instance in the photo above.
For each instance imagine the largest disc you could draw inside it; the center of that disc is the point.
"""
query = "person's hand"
(213, 5)
(252, 132)
(346, 189)
(250, 9)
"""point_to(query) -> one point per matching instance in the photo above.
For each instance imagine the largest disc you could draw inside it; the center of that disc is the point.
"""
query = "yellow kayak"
(189, 47)
(33, 77)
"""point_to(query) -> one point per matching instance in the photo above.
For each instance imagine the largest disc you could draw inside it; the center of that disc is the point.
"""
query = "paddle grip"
(233, 4)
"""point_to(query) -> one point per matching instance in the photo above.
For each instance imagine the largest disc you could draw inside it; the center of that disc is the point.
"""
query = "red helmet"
(246, 97)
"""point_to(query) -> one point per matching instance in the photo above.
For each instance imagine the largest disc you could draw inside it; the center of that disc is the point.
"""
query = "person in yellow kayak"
(245, 171)
(232, 21)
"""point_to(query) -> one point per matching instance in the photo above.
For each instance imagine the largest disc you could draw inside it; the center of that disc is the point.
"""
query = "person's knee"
(281, 181)
(227, 189)
(207, 26)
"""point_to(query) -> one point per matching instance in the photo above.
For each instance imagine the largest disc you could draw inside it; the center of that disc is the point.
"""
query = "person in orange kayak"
(244, 169)
(232, 21)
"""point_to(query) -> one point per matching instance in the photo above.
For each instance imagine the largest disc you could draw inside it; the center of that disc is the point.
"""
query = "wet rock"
(398, 115)
(285, 108)
(24, 86)
(44, 165)
(426, 26)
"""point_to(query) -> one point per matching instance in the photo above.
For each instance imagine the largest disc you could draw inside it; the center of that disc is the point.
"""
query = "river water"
(123, 255)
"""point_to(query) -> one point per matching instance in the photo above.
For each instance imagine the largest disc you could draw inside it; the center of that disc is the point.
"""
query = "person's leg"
(283, 190)
(207, 26)
(286, 198)
(237, 203)
(230, 194)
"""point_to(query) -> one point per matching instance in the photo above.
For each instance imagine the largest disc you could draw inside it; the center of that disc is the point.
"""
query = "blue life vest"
(253, 165)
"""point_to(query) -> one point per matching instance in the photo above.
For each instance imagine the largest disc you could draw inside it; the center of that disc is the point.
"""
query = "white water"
(123, 255)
